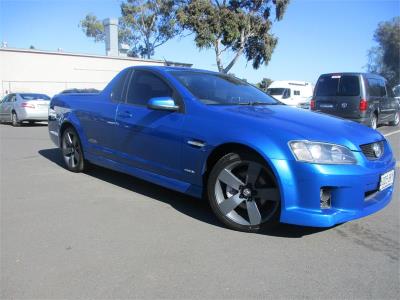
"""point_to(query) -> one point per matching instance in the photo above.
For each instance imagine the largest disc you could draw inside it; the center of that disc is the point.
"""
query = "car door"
(391, 102)
(97, 118)
(384, 102)
(150, 139)
(8, 107)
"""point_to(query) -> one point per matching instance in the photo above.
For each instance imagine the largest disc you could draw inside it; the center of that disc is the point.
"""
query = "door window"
(373, 87)
(144, 86)
(118, 89)
(382, 88)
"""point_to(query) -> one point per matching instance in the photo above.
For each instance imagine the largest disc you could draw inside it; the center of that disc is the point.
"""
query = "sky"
(315, 36)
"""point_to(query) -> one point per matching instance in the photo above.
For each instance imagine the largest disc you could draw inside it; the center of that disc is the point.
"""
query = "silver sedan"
(20, 107)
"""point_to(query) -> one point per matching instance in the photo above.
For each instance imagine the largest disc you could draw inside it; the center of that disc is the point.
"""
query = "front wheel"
(396, 120)
(72, 150)
(243, 193)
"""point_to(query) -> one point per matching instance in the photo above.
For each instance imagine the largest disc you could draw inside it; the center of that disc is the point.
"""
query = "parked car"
(361, 97)
(19, 107)
(293, 93)
(208, 134)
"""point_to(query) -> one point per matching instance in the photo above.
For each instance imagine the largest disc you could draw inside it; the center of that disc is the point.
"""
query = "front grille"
(369, 151)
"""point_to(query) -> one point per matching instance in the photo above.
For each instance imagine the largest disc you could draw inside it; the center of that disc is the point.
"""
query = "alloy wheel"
(245, 193)
(71, 150)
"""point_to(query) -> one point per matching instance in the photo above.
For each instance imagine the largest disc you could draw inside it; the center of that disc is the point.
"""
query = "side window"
(5, 99)
(11, 98)
(296, 93)
(373, 87)
(382, 88)
(118, 89)
(144, 86)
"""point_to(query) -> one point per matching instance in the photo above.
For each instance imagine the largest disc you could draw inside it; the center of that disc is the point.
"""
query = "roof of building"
(62, 53)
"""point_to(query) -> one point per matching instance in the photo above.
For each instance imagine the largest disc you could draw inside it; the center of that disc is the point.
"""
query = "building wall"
(53, 72)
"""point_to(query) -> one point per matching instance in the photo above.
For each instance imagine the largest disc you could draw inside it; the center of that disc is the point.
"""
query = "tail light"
(27, 105)
(363, 105)
(312, 104)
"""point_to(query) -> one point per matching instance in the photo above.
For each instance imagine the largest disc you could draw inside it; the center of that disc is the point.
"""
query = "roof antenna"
(167, 63)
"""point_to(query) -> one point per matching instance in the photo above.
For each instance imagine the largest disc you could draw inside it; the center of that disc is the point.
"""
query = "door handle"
(125, 115)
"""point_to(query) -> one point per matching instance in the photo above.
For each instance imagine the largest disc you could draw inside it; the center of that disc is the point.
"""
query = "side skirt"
(173, 184)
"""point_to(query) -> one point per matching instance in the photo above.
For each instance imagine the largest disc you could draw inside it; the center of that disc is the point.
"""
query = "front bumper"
(354, 190)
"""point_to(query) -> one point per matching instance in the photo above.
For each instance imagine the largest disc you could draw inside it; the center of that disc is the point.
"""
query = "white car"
(19, 107)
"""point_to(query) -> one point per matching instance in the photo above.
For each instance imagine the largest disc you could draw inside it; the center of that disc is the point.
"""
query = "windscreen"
(338, 85)
(220, 89)
(34, 97)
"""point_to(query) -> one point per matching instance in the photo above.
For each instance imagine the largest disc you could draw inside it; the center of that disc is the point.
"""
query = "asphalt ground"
(103, 234)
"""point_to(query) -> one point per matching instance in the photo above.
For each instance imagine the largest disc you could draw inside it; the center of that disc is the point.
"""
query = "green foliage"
(384, 59)
(264, 84)
(144, 25)
(233, 26)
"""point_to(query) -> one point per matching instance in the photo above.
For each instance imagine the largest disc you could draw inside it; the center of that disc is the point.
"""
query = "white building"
(49, 72)
(26, 70)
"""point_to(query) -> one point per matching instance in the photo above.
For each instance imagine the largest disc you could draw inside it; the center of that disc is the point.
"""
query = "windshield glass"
(34, 97)
(337, 85)
(276, 91)
(220, 89)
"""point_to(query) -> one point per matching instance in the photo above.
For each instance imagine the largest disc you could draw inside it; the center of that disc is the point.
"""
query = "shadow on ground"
(187, 205)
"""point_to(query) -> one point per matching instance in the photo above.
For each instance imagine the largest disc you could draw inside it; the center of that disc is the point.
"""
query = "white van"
(294, 93)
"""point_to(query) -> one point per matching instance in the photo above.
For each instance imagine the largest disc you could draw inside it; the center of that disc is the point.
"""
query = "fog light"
(325, 198)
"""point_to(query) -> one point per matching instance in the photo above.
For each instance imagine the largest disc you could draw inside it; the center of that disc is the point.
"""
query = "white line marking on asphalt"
(391, 133)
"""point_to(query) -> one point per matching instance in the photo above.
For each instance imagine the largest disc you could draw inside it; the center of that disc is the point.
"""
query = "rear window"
(337, 85)
(34, 97)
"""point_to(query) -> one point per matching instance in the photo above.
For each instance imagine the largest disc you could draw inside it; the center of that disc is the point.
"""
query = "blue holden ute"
(205, 134)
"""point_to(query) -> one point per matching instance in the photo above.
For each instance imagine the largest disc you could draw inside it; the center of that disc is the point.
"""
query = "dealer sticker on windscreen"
(387, 180)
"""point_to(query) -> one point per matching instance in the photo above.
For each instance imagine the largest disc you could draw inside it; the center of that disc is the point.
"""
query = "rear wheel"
(72, 150)
(14, 119)
(243, 193)
(396, 120)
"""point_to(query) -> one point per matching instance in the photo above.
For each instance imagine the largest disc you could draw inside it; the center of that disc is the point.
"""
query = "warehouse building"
(50, 72)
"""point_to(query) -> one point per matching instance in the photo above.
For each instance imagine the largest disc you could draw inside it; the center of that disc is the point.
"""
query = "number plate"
(387, 180)
(326, 105)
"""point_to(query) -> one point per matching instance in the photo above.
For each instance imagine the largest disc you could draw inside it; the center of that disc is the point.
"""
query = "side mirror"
(162, 103)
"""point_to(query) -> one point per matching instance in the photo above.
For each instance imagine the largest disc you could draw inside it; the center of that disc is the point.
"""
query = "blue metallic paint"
(129, 139)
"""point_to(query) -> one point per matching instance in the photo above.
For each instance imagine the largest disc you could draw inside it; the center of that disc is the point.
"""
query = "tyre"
(373, 121)
(396, 120)
(14, 119)
(72, 150)
(243, 193)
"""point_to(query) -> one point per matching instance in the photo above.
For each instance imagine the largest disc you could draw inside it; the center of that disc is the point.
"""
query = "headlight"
(321, 153)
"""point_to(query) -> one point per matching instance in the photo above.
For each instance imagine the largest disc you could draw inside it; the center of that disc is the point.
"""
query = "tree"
(384, 59)
(264, 84)
(235, 27)
(32, 47)
(144, 25)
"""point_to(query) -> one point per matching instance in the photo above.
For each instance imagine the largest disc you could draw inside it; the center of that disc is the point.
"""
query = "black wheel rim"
(246, 193)
(71, 150)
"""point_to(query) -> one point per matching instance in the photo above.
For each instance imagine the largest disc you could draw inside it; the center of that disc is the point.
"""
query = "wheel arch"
(233, 147)
(66, 124)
